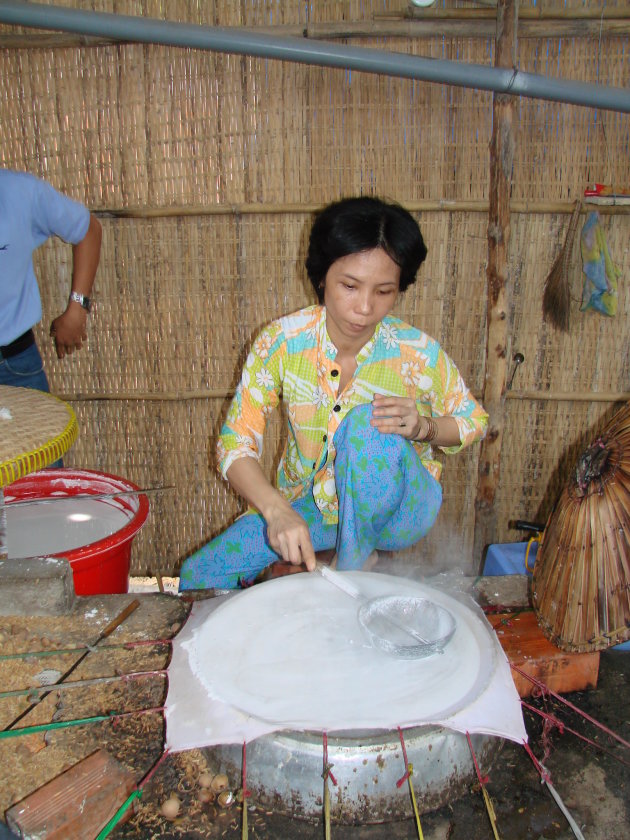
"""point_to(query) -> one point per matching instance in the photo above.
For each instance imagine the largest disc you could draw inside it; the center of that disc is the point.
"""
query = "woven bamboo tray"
(36, 429)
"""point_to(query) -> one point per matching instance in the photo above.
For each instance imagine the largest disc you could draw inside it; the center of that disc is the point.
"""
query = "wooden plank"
(527, 647)
(77, 804)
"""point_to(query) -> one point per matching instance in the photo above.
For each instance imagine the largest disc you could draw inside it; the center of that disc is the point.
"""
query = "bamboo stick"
(574, 396)
(228, 393)
(524, 13)
(167, 396)
(414, 206)
(457, 24)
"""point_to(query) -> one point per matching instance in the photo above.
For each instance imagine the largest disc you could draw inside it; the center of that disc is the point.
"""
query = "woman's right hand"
(287, 531)
(289, 536)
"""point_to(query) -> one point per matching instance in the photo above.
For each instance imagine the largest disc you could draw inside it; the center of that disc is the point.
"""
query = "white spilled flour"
(54, 527)
(297, 656)
(5, 414)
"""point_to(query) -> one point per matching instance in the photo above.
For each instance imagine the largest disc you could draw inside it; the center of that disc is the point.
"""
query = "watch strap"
(85, 301)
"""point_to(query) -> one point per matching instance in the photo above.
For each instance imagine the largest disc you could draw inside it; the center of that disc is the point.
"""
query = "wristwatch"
(85, 302)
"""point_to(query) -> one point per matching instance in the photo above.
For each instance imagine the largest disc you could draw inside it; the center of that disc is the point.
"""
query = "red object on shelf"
(101, 567)
(605, 190)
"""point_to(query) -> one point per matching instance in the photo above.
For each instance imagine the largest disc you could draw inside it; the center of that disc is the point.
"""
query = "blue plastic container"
(509, 558)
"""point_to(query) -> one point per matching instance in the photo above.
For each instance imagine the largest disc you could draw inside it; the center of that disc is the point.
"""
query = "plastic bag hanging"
(600, 284)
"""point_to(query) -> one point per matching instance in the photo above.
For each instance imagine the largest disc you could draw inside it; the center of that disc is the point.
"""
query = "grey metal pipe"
(247, 42)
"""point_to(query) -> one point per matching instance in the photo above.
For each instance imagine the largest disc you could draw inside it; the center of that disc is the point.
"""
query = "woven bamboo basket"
(581, 582)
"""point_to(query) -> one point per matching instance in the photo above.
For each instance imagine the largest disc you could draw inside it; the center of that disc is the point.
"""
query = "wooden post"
(501, 159)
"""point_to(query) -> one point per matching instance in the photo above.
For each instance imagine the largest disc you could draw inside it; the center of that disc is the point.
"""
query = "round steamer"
(284, 771)
(297, 651)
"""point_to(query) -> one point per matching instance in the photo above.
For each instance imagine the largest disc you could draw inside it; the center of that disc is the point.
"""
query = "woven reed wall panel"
(136, 126)
(179, 298)
(561, 149)
(202, 298)
(142, 125)
(543, 438)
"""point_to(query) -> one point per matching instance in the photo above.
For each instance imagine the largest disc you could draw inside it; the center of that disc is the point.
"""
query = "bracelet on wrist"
(432, 430)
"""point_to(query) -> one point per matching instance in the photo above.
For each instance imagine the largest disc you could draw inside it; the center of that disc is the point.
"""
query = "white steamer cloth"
(290, 654)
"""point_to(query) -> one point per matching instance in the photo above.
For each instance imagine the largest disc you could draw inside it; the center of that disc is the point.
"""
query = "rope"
(544, 774)
(486, 796)
(62, 651)
(327, 772)
(546, 690)
(246, 794)
(562, 727)
(407, 777)
(45, 727)
(34, 691)
(404, 778)
(115, 623)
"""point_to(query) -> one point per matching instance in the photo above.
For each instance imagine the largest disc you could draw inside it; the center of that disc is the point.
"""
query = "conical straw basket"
(581, 578)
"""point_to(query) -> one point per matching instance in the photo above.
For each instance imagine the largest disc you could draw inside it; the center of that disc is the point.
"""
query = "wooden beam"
(454, 23)
(444, 205)
(501, 161)
(570, 396)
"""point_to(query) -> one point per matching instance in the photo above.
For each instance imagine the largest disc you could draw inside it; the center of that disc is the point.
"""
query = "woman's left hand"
(396, 416)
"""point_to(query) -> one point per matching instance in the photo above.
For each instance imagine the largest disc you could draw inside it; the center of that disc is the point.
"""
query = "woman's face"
(359, 291)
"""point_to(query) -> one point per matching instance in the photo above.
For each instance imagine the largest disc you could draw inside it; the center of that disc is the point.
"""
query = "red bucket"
(99, 567)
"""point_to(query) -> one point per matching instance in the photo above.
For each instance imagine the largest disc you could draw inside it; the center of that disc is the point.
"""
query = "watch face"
(82, 299)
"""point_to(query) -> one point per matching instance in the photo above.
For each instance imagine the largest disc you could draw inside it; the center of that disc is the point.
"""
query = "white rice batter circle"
(292, 652)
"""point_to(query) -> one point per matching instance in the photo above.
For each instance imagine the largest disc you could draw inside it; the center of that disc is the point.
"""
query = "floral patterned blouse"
(293, 359)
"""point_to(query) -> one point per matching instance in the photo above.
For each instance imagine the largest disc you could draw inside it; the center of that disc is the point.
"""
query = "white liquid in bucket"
(51, 528)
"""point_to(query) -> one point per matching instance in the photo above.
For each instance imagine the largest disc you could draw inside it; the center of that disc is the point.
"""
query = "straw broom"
(556, 294)
(581, 581)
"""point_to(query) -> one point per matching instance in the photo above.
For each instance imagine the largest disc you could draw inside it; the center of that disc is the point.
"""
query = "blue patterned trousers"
(387, 500)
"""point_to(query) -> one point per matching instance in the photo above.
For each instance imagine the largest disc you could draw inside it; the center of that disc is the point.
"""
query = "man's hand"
(69, 330)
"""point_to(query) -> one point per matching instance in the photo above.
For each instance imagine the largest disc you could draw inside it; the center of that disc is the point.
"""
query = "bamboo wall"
(205, 169)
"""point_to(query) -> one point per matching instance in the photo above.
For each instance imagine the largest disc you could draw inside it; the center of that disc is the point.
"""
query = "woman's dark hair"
(353, 225)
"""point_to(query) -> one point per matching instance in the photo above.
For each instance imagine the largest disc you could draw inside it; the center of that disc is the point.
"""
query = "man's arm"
(69, 328)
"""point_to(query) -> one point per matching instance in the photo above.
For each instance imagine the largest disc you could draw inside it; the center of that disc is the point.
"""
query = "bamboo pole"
(524, 14)
(228, 393)
(571, 396)
(459, 24)
(166, 396)
(414, 206)
(501, 160)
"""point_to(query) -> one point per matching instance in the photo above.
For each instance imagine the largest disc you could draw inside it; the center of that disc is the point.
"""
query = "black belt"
(21, 343)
